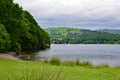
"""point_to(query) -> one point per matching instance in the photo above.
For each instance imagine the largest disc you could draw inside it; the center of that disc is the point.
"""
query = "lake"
(96, 53)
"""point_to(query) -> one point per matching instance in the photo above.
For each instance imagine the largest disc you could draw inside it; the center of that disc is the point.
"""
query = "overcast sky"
(90, 14)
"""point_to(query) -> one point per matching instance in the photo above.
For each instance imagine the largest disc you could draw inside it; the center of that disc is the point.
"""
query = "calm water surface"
(95, 53)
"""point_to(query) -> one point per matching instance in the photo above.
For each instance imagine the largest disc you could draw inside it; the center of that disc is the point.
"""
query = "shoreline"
(56, 61)
(9, 55)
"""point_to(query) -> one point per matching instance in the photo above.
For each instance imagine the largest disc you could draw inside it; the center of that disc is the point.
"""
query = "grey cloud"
(99, 13)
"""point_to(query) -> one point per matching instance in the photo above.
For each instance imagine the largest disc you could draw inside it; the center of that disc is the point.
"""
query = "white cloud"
(78, 9)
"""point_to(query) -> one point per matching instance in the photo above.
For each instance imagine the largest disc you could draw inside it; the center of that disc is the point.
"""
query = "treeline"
(64, 35)
(18, 29)
(114, 31)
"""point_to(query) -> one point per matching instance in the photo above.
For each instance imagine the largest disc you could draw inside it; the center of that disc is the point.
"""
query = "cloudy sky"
(89, 14)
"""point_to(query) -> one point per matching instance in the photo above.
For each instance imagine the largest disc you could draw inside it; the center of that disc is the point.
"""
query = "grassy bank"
(27, 70)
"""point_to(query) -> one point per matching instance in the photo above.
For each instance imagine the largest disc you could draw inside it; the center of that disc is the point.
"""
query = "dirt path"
(8, 56)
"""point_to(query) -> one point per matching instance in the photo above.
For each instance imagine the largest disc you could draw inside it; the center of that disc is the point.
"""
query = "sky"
(87, 14)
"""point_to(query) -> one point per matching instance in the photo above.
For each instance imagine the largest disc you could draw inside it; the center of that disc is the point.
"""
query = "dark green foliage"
(36, 38)
(24, 32)
(81, 36)
(4, 39)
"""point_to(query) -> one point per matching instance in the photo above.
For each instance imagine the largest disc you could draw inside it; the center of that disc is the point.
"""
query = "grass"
(55, 61)
(23, 70)
(28, 70)
(58, 61)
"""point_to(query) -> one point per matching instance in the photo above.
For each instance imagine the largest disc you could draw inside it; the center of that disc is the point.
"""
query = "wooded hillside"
(64, 35)
(18, 29)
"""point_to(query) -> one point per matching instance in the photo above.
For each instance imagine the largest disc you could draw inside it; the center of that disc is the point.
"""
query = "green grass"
(28, 70)
(58, 61)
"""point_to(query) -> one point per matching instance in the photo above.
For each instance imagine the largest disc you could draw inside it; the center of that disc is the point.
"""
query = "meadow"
(55, 70)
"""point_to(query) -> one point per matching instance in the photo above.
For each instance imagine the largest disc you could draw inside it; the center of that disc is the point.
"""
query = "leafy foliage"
(4, 38)
(64, 35)
(24, 32)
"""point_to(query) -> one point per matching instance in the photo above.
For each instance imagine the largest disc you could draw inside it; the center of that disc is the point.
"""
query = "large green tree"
(24, 32)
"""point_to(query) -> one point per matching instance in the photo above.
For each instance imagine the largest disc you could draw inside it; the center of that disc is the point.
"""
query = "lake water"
(96, 53)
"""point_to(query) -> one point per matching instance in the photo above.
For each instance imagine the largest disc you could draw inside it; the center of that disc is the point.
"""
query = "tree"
(24, 32)
(4, 39)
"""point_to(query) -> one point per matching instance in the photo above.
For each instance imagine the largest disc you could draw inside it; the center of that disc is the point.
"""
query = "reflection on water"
(95, 53)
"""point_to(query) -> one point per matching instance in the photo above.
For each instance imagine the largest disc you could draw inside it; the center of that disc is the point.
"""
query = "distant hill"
(63, 35)
(114, 31)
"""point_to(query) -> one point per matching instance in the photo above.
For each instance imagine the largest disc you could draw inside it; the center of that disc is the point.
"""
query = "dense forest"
(18, 29)
(64, 35)
(114, 31)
